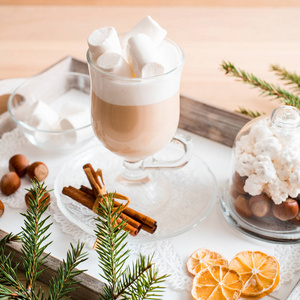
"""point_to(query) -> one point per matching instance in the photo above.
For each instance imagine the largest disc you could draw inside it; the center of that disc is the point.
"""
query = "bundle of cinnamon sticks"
(92, 196)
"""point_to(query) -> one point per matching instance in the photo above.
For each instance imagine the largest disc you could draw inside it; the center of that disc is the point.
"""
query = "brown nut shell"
(1, 208)
(37, 170)
(28, 194)
(238, 182)
(260, 205)
(18, 163)
(10, 182)
(286, 210)
(242, 206)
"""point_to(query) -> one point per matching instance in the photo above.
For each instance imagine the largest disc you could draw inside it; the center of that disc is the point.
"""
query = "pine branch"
(250, 113)
(132, 275)
(64, 281)
(8, 273)
(110, 246)
(267, 89)
(142, 281)
(34, 235)
(138, 282)
(291, 78)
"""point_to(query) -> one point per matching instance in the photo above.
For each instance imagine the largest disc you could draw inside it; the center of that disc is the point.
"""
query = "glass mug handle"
(182, 141)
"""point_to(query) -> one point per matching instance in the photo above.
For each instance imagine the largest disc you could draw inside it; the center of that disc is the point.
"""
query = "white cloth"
(171, 254)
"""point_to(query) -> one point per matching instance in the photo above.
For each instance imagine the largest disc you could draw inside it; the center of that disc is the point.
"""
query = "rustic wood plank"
(88, 288)
(209, 121)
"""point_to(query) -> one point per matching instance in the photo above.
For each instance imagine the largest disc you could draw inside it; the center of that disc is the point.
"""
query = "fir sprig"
(62, 283)
(141, 281)
(33, 237)
(249, 112)
(267, 89)
(291, 78)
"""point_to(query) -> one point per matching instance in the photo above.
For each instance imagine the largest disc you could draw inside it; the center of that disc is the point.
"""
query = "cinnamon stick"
(79, 196)
(87, 190)
(131, 221)
(138, 216)
(132, 230)
(97, 186)
(132, 226)
(148, 228)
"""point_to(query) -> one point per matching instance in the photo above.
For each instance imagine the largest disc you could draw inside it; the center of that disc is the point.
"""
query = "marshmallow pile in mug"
(142, 52)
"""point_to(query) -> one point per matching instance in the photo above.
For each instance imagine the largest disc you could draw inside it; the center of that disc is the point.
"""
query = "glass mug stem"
(136, 172)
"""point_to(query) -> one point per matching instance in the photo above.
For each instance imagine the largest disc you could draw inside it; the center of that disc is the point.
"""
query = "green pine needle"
(34, 242)
(291, 78)
(141, 281)
(34, 235)
(250, 113)
(267, 89)
(64, 281)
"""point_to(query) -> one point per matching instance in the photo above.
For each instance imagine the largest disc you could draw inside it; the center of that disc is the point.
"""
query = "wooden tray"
(195, 116)
(203, 119)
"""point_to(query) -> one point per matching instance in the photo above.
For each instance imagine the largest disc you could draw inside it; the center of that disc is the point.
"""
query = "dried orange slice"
(259, 273)
(203, 258)
(217, 283)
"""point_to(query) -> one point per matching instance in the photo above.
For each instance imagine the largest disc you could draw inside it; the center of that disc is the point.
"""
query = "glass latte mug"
(136, 117)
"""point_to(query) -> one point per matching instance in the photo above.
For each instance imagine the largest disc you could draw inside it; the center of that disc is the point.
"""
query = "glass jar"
(263, 194)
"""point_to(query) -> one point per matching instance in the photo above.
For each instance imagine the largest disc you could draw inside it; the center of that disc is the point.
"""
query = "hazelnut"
(28, 195)
(242, 206)
(286, 210)
(18, 163)
(10, 182)
(260, 205)
(37, 170)
(1, 208)
(296, 220)
(238, 182)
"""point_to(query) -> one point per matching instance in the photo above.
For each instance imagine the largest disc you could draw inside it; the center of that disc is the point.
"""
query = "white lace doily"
(166, 256)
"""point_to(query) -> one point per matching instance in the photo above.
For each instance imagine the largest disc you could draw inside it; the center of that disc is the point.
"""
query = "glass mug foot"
(148, 188)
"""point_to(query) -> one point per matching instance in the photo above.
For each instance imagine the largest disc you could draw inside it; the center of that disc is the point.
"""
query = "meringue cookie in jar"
(263, 194)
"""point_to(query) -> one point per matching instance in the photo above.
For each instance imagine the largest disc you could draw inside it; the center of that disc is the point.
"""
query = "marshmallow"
(253, 185)
(260, 131)
(269, 146)
(143, 57)
(264, 168)
(114, 63)
(76, 121)
(41, 112)
(103, 40)
(149, 27)
(244, 164)
(168, 55)
(278, 190)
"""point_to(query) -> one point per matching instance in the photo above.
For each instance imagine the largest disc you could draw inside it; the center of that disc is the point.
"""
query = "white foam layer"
(135, 91)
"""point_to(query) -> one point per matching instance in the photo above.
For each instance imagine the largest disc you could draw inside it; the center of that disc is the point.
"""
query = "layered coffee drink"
(135, 82)
(135, 131)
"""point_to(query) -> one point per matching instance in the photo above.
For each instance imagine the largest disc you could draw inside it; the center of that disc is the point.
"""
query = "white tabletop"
(213, 233)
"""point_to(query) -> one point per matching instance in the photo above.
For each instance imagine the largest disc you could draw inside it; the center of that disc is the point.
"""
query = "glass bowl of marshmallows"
(53, 110)
(263, 195)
